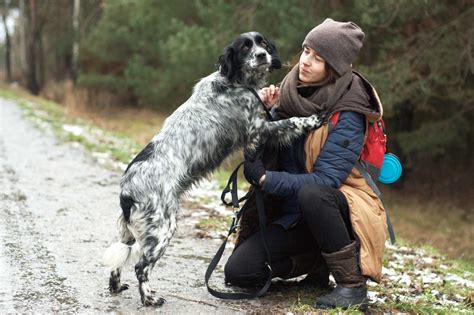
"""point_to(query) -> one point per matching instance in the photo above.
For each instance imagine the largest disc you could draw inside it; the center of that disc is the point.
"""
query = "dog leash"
(232, 188)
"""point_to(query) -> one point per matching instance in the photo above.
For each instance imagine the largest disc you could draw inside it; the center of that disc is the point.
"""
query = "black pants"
(325, 226)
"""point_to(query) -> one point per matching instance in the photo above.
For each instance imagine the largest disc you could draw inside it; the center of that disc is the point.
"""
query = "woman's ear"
(226, 63)
(276, 63)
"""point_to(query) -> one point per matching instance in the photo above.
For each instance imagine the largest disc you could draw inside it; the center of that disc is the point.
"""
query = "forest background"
(108, 58)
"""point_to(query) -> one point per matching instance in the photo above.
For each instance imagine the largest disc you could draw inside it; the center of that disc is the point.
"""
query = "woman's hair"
(331, 74)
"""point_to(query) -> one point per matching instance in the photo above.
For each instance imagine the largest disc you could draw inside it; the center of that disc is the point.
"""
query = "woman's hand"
(269, 95)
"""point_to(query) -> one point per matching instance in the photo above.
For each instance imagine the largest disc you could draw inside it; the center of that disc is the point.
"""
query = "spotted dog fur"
(221, 116)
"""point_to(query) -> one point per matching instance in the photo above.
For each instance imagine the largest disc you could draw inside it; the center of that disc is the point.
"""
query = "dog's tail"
(119, 255)
(123, 253)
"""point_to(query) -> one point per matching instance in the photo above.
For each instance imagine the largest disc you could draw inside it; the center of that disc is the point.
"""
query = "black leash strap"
(232, 188)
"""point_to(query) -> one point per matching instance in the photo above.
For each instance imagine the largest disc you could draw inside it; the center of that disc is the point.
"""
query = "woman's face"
(312, 68)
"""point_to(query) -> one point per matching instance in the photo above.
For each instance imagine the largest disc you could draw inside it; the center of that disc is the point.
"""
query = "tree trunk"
(31, 78)
(40, 56)
(7, 43)
(75, 47)
(22, 21)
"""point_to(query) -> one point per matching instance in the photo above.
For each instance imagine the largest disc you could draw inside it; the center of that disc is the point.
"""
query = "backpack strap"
(333, 121)
(377, 191)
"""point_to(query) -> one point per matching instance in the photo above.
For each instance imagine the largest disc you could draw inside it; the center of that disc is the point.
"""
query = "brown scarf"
(324, 100)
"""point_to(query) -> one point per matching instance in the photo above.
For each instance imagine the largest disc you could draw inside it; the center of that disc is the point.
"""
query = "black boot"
(351, 286)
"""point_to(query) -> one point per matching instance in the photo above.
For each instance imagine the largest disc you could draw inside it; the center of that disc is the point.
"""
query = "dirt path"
(57, 215)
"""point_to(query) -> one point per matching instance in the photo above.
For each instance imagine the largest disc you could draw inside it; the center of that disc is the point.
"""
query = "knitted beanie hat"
(338, 43)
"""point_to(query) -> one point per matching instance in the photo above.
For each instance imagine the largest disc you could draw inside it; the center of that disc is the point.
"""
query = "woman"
(329, 218)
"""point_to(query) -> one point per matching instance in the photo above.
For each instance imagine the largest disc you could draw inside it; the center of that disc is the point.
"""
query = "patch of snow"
(458, 280)
(427, 260)
(431, 278)
(405, 280)
(74, 129)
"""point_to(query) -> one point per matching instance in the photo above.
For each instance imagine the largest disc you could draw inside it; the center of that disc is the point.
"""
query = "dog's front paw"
(314, 121)
(151, 300)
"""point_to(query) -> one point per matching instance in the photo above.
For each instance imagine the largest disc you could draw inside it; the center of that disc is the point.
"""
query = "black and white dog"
(221, 116)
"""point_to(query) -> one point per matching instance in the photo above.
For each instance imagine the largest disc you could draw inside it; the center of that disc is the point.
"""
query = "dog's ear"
(226, 63)
(276, 63)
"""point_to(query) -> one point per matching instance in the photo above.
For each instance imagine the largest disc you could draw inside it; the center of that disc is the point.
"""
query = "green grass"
(215, 223)
(9, 94)
(462, 267)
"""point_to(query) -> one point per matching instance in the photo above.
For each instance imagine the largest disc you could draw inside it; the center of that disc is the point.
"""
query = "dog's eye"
(245, 48)
(267, 46)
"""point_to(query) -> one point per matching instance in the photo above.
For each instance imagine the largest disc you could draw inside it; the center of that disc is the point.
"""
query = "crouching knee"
(240, 273)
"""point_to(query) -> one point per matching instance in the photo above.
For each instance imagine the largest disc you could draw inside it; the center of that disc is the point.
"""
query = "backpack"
(371, 158)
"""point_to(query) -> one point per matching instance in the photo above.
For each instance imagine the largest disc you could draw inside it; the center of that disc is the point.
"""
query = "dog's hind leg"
(154, 241)
(126, 239)
(115, 286)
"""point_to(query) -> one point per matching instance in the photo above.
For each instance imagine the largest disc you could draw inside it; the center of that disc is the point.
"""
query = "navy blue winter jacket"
(332, 167)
